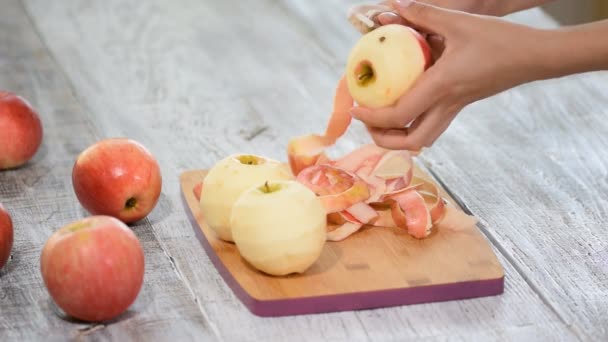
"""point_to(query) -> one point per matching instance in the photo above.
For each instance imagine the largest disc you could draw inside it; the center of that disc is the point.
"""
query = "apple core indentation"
(364, 73)
(250, 160)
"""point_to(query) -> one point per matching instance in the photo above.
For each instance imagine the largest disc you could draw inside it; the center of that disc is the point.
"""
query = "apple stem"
(267, 187)
(364, 73)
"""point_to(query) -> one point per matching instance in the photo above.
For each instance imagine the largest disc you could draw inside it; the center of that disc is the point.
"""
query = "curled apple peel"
(410, 212)
(307, 150)
(355, 187)
(196, 190)
(337, 189)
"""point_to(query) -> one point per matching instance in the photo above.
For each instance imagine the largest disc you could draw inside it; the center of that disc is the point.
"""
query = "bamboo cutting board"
(375, 267)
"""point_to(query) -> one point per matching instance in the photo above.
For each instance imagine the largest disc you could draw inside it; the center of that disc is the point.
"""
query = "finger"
(430, 126)
(389, 138)
(437, 44)
(438, 131)
(388, 18)
(425, 92)
(426, 17)
(422, 133)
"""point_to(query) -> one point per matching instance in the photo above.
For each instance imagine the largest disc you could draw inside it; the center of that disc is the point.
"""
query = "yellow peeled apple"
(225, 182)
(279, 227)
(385, 63)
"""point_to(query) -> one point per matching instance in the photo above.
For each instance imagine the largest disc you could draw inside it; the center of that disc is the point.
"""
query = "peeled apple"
(225, 182)
(279, 227)
(384, 64)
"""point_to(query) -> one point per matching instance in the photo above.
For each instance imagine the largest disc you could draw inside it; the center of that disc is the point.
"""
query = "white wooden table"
(195, 80)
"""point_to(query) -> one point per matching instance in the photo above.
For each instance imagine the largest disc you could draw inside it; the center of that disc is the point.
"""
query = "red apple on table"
(93, 268)
(20, 131)
(6, 236)
(384, 64)
(117, 177)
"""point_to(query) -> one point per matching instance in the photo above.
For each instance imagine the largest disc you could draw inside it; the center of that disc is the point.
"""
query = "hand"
(476, 57)
(485, 7)
(470, 6)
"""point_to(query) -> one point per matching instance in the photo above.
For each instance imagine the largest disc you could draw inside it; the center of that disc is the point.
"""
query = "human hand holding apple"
(6, 236)
(117, 177)
(20, 131)
(476, 59)
(93, 268)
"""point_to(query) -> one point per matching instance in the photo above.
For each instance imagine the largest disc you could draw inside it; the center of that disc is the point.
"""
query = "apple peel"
(337, 189)
(344, 231)
(305, 151)
(196, 190)
(410, 212)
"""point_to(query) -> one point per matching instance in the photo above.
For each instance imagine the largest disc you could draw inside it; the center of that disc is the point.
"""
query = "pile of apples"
(277, 223)
(93, 268)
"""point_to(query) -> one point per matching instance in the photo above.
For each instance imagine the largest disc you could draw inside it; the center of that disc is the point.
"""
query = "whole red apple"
(93, 268)
(21, 131)
(117, 177)
(6, 236)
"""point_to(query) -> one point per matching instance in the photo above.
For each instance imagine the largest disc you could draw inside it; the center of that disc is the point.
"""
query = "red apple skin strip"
(385, 170)
(350, 221)
(337, 189)
(398, 215)
(366, 155)
(410, 212)
(323, 160)
(427, 189)
(344, 231)
(335, 218)
(368, 163)
(426, 48)
(305, 151)
(196, 190)
(362, 212)
(340, 117)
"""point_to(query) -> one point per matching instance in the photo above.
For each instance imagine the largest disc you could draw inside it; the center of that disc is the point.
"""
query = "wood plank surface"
(196, 80)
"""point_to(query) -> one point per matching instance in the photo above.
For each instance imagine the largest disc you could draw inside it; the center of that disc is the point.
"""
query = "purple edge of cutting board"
(347, 301)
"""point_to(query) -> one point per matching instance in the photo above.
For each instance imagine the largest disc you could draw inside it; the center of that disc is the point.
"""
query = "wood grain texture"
(196, 80)
(40, 199)
(373, 268)
(547, 161)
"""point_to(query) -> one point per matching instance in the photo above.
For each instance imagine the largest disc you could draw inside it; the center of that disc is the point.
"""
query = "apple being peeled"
(20, 131)
(93, 268)
(6, 236)
(225, 182)
(384, 64)
(279, 227)
(117, 177)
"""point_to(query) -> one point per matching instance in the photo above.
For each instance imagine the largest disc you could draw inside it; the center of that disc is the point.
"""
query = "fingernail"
(386, 18)
(403, 4)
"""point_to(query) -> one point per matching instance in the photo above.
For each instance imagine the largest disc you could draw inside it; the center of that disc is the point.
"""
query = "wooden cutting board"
(375, 267)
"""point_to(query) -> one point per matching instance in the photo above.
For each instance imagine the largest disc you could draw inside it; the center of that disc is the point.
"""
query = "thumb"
(425, 17)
